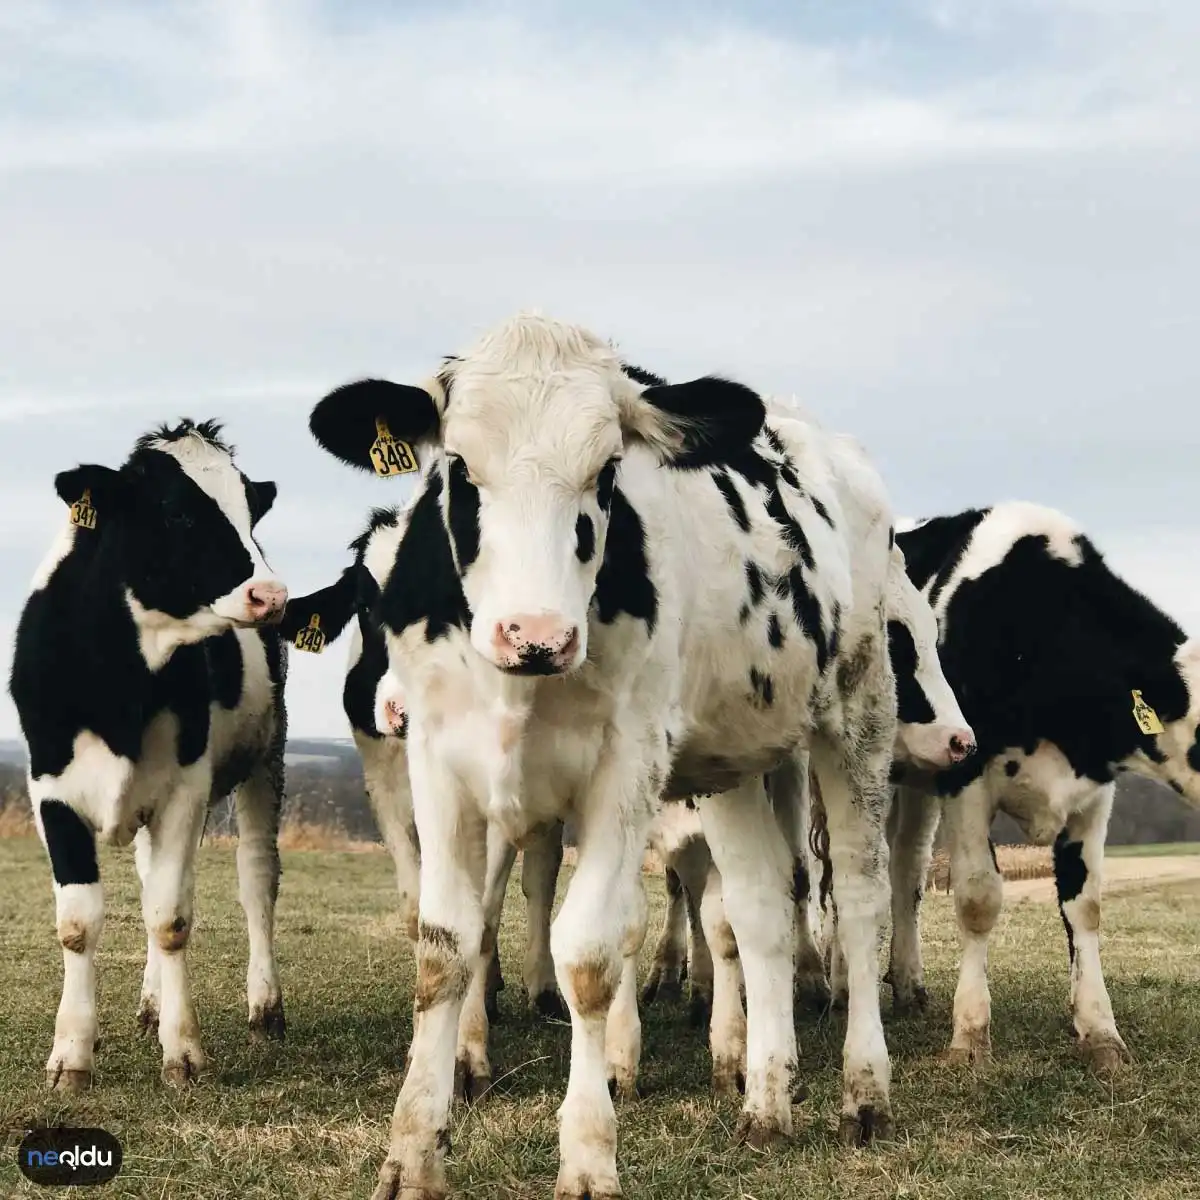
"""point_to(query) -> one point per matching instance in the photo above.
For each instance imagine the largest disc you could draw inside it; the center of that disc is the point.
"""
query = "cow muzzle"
(934, 747)
(535, 644)
(259, 602)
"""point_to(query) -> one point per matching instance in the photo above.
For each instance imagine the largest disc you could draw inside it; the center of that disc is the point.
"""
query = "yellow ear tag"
(310, 638)
(389, 455)
(82, 512)
(1146, 718)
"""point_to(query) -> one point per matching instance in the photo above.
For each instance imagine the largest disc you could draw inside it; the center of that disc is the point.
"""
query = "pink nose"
(266, 600)
(535, 643)
(962, 745)
(395, 717)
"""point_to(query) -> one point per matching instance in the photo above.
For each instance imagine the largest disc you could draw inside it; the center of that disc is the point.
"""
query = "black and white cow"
(374, 704)
(931, 735)
(149, 682)
(1069, 677)
(610, 590)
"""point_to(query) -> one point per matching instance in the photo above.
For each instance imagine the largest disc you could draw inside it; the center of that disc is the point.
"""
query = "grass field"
(309, 1119)
(1154, 850)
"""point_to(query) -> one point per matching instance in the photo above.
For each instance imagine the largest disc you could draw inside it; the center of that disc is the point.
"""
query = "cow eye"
(456, 461)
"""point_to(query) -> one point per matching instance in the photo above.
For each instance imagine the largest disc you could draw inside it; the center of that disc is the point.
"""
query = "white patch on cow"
(64, 542)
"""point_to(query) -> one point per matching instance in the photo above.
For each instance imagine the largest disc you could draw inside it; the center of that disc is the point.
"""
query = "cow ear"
(260, 495)
(346, 423)
(108, 490)
(333, 606)
(701, 423)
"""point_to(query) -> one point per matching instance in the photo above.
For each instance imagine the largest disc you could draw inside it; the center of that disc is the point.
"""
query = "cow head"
(179, 517)
(931, 734)
(1172, 704)
(526, 433)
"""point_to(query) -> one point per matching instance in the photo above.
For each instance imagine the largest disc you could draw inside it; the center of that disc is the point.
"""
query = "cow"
(1069, 677)
(375, 708)
(931, 735)
(148, 678)
(612, 590)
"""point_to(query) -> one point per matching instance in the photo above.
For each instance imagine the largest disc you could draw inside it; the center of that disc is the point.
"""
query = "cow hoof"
(147, 1016)
(700, 1009)
(758, 1132)
(267, 1022)
(976, 1052)
(906, 1002)
(392, 1187)
(869, 1124)
(61, 1079)
(549, 1006)
(728, 1078)
(624, 1086)
(470, 1086)
(182, 1071)
(1104, 1054)
(572, 1186)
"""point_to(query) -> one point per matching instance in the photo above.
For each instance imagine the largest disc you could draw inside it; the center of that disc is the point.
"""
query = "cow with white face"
(571, 639)
(157, 607)
(1069, 676)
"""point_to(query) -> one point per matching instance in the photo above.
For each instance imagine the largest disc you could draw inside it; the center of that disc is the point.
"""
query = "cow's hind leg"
(665, 981)
(540, 866)
(259, 802)
(1078, 863)
(623, 1032)
(854, 787)
(912, 825)
(79, 918)
(148, 1004)
(749, 850)
(727, 1026)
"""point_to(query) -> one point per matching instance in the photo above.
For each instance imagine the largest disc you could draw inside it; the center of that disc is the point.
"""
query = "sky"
(966, 231)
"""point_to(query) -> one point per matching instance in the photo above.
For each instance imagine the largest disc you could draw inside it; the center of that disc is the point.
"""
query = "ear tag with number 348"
(1146, 718)
(310, 638)
(389, 455)
(82, 512)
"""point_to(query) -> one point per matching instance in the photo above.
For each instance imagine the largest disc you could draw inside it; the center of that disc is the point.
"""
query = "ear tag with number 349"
(82, 512)
(389, 455)
(310, 638)
(1146, 718)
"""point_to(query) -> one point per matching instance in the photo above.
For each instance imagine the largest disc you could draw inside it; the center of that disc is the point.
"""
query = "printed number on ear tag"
(1146, 718)
(310, 638)
(389, 455)
(82, 512)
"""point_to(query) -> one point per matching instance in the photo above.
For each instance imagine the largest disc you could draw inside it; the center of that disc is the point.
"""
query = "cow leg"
(79, 919)
(259, 801)
(148, 1005)
(671, 949)
(598, 929)
(1078, 867)
(749, 850)
(539, 878)
(623, 1032)
(167, 895)
(472, 1066)
(854, 792)
(693, 867)
(453, 839)
(978, 894)
(913, 823)
(727, 1026)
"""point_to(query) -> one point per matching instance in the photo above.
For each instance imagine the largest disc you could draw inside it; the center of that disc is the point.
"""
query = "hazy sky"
(967, 231)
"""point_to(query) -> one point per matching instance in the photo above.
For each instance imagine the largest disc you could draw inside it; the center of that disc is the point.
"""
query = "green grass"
(309, 1119)
(1153, 850)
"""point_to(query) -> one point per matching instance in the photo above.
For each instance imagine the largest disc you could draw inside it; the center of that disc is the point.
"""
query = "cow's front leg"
(751, 854)
(1078, 867)
(854, 789)
(259, 801)
(911, 828)
(453, 838)
(148, 1004)
(601, 918)
(978, 894)
(168, 888)
(539, 877)
(727, 1024)
(623, 1035)
(79, 918)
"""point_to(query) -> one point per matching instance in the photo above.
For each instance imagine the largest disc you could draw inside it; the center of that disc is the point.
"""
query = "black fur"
(585, 538)
(70, 844)
(1070, 874)
(462, 514)
(912, 705)
(733, 499)
(343, 423)
(774, 632)
(623, 583)
(714, 416)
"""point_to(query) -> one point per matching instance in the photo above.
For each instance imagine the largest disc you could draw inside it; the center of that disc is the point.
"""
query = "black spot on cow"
(1011, 768)
(891, 536)
(788, 474)
(70, 844)
(793, 533)
(774, 440)
(362, 679)
(225, 668)
(744, 614)
(822, 511)
(623, 583)
(936, 548)
(774, 632)
(912, 705)
(1070, 874)
(733, 499)
(642, 376)
(1193, 754)
(992, 852)
(763, 686)
(462, 514)
(606, 481)
(754, 581)
(585, 538)
(716, 418)
(801, 885)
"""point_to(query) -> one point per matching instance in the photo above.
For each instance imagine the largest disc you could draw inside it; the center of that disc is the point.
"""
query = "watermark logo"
(69, 1157)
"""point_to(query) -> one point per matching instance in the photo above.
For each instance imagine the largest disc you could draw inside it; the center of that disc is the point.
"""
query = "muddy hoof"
(267, 1023)
(181, 1072)
(549, 1006)
(60, 1079)
(1105, 1055)
(469, 1087)
(869, 1125)
(580, 1187)
(392, 1187)
(624, 1088)
(147, 1018)
(757, 1133)
(976, 1052)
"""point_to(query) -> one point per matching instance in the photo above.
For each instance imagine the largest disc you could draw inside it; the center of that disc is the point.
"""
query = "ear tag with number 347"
(389, 455)
(82, 512)
(1146, 718)
(311, 638)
